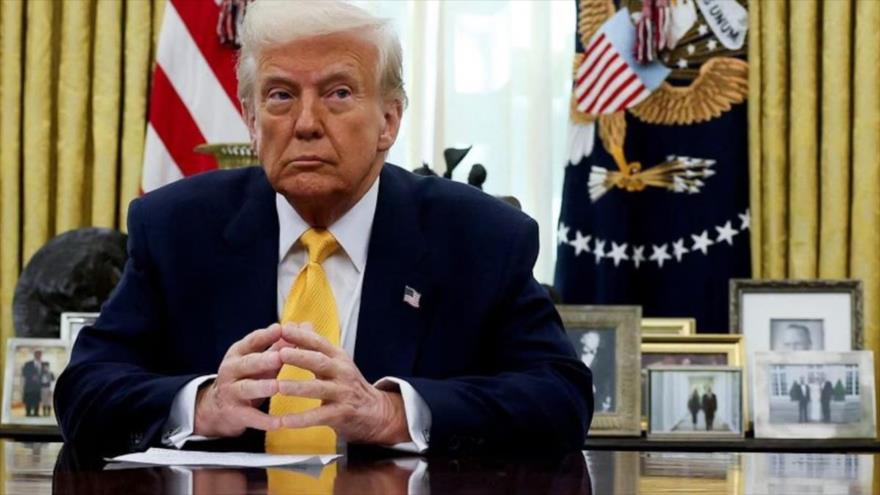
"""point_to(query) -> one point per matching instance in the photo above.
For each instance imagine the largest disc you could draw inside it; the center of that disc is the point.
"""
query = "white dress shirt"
(345, 271)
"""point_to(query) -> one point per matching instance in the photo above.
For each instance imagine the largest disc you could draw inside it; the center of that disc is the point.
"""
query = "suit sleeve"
(540, 394)
(114, 395)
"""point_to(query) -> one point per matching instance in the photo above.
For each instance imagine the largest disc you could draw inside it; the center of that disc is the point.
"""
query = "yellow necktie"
(310, 300)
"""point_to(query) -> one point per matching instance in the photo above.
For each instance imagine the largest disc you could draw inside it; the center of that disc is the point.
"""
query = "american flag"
(609, 79)
(193, 98)
(411, 296)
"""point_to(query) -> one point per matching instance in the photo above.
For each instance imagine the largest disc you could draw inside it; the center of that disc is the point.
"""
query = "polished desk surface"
(43, 467)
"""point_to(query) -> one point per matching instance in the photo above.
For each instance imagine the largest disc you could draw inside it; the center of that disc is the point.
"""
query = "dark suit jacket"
(485, 349)
(31, 374)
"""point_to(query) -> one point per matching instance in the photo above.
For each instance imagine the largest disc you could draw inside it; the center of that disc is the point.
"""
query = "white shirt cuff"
(179, 426)
(418, 415)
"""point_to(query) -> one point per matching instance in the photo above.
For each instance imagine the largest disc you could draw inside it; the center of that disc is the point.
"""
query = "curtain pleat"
(837, 38)
(11, 76)
(865, 221)
(73, 87)
(815, 144)
(38, 119)
(774, 121)
(107, 85)
(73, 113)
(756, 166)
(803, 138)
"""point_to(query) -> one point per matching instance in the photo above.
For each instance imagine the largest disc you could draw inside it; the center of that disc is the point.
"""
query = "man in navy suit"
(447, 341)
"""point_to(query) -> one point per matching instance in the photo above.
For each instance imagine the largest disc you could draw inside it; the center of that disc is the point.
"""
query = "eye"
(279, 95)
(341, 93)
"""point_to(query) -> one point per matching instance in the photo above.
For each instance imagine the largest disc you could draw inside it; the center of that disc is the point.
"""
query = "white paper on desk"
(174, 457)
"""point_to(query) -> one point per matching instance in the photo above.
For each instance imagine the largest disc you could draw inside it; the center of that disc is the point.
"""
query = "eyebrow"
(332, 75)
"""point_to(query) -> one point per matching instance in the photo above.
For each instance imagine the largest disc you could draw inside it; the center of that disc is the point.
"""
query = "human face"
(796, 339)
(320, 123)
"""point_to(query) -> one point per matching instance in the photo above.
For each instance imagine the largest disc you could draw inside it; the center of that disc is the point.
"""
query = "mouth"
(308, 161)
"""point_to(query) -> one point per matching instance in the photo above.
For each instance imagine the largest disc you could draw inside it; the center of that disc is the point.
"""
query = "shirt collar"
(352, 230)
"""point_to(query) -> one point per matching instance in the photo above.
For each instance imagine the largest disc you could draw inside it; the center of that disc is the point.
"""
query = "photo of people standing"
(692, 401)
(707, 403)
(32, 366)
(814, 394)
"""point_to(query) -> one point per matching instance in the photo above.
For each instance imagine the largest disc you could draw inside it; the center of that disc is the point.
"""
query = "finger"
(319, 364)
(254, 418)
(256, 341)
(255, 389)
(313, 389)
(280, 344)
(326, 415)
(305, 338)
(254, 364)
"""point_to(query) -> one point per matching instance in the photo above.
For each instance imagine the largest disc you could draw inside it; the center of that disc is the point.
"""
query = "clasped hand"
(355, 409)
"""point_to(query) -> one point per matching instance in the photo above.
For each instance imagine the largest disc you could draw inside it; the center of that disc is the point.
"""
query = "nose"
(308, 123)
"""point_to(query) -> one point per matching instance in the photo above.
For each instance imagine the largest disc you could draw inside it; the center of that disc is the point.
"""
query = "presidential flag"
(655, 201)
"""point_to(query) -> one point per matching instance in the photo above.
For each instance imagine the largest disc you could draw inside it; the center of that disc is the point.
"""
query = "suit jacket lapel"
(247, 269)
(389, 329)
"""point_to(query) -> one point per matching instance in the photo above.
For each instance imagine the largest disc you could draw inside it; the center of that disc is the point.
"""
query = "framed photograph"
(814, 395)
(607, 340)
(72, 323)
(32, 366)
(695, 402)
(667, 327)
(796, 315)
(690, 350)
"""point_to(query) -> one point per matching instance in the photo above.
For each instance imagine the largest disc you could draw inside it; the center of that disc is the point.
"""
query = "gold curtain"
(73, 91)
(814, 139)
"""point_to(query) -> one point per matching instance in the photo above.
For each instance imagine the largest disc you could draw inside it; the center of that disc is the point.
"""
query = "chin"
(311, 187)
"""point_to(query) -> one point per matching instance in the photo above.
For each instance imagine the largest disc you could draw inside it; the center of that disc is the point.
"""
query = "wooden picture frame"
(668, 327)
(791, 395)
(796, 315)
(617, 395)
(670, 390)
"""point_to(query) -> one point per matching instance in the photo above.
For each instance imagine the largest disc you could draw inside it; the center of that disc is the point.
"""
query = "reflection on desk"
(44, 467)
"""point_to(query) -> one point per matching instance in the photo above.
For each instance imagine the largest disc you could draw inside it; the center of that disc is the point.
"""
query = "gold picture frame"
(668, 327)
(731, 346)
(617, 399)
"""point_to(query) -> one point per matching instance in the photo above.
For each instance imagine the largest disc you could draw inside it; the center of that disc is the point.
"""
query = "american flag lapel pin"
(411, 296)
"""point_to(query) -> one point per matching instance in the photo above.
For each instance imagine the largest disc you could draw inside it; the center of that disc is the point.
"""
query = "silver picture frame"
(622, 326)
(814, 395)
(19, 397)
(726, 421)
(72, 322)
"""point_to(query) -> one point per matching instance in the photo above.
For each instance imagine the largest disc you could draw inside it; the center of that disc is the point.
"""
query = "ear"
(250, 120)
(392, 112)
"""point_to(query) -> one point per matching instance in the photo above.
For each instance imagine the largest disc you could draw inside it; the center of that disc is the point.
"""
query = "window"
(779, 383)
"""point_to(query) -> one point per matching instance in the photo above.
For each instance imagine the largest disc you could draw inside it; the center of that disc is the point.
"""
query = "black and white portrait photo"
(699, 402)
(822, 393)
(596, 349)
(797, 335)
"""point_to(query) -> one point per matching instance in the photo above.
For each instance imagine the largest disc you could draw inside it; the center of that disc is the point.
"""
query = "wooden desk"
(44, 467)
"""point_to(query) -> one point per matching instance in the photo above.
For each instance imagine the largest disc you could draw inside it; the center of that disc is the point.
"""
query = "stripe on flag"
(193, 96)
(609, 79)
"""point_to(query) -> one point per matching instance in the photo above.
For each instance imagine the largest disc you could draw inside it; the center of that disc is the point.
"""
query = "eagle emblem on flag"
(671, 62)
